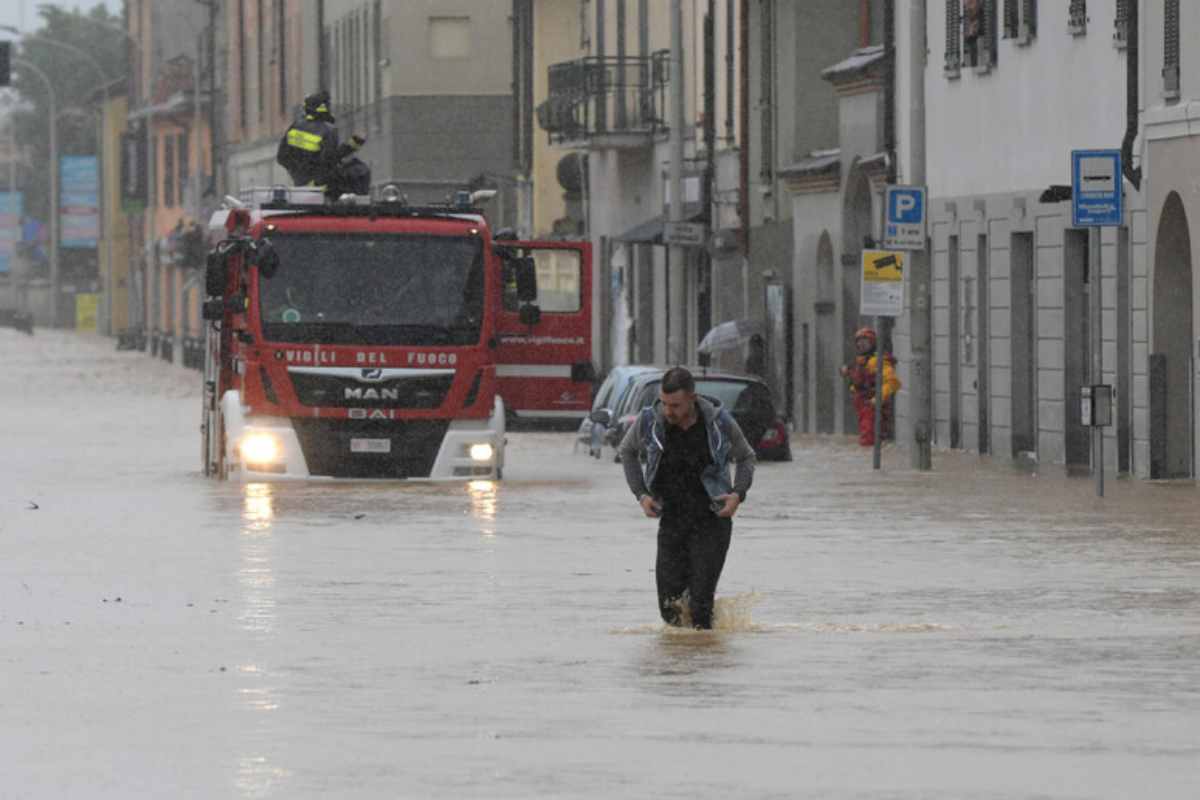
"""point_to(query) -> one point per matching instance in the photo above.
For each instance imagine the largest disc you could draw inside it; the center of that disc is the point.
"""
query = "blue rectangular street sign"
(1095, 188)
(904, 228)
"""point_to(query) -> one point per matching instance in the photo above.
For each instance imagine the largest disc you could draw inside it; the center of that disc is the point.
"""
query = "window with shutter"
(980, 34)
(1121, 25)
(1012, 19)
(1019, 20)
(1077, 17)
(1029, 13)
(953, 62)
(1170, 71)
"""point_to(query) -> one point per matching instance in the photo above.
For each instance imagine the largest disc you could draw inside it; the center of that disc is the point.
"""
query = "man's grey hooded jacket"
(642, 449)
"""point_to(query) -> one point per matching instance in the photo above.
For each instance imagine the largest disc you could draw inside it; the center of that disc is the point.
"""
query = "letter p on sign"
(905, 224)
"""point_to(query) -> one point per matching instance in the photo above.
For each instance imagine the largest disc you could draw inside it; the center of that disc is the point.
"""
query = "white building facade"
(1011, 88)
(1170, 97)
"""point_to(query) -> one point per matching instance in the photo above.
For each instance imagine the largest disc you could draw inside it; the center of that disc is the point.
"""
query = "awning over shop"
(651, 231)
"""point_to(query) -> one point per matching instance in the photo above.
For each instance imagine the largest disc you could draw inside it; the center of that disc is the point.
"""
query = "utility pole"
(1096, 370)
(53, 210)
(677, 255)
(919, 273)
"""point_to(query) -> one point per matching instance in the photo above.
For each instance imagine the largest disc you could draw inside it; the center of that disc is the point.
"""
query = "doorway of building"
(1024, 343)
(1172, 420)
(1124, 355)
(828, 345)
(955, 345)
(780, 347)
(983, 375)
(1077, 285)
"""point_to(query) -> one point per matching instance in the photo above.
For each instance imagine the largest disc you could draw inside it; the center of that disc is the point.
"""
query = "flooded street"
(974, 632)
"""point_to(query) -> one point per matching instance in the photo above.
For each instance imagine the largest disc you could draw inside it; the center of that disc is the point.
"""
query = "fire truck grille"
(340, 392)
(328, 447)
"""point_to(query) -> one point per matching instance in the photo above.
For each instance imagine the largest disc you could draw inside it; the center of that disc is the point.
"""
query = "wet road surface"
(975, 632)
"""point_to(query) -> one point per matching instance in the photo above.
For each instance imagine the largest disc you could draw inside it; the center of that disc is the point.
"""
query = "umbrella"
(729, 335)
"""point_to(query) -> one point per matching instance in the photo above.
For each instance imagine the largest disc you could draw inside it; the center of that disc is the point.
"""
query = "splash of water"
(735, 615)
(730, 615)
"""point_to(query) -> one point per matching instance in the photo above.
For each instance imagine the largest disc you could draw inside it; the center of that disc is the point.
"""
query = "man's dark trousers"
(691, 554)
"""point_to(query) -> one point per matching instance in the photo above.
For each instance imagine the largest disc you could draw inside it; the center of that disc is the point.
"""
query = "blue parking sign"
(904, 227)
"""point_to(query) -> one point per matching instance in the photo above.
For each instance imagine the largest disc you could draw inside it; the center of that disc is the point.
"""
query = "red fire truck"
(369, 338)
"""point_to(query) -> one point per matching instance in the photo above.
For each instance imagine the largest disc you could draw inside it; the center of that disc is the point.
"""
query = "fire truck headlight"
(260, 448)
(482, 452)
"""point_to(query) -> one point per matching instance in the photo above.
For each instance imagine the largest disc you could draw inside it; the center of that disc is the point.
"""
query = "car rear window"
(735, 395)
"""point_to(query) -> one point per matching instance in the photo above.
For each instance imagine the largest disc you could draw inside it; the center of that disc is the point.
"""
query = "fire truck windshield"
(374, 289)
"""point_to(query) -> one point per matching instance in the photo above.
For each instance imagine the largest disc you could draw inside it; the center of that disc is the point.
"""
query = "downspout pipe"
(889, 87)
(1131, 97)
(744, 125)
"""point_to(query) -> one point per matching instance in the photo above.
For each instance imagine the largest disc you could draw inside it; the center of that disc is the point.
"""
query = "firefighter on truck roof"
(313, 155)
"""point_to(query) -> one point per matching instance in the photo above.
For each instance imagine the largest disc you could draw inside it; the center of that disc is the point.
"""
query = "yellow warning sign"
(86, 306)
(883, 265)
(882, 283)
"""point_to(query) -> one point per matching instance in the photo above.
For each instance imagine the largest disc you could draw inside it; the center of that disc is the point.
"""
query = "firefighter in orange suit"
(861, 376)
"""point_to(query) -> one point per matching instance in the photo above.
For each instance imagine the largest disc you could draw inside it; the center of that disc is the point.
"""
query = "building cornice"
(820, 173)
(1172, 122)
(861, 73)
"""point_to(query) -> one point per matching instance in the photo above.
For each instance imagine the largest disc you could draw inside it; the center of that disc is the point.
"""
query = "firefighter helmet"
(317, 104)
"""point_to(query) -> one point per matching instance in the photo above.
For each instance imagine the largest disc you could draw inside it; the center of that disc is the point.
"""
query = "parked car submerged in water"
(610, 394)
(746, 397)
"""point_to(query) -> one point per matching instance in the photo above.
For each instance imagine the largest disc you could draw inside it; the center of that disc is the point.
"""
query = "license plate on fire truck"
(370, 445)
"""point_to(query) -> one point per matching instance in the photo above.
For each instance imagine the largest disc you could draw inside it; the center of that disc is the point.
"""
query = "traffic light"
(5, 63)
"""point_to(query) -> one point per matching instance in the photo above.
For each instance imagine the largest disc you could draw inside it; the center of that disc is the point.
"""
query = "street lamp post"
(34, 69)
(55, 210)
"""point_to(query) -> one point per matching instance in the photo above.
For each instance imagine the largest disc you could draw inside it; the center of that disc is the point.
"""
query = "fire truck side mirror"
(215, 275)
(530, 314)
(267, 259)
(213, 310)
(527, 290)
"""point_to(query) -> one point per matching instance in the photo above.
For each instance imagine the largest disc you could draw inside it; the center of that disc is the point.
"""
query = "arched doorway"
(1171, 403)
(857, 228)
(828, 344)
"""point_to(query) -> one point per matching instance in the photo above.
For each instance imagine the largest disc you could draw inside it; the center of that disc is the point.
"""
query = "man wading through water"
(676, 458)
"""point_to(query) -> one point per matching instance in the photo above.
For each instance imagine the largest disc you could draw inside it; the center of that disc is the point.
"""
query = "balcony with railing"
(607, 101)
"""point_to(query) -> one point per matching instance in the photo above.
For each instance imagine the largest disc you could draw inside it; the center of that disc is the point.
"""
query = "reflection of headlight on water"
(259, 506)
(482, 452)
(260, 448)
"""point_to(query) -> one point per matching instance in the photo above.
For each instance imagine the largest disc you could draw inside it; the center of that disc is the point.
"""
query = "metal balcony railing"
(598, 96)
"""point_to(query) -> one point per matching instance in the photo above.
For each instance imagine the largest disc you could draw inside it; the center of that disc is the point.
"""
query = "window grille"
(1019, 20)
(1012, 19)
(1029, 13)
(1077, 17)
(979, 31)
(184, 160)
(953, 63)
(1170, 71)
(1121, 25)
(168, 178)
